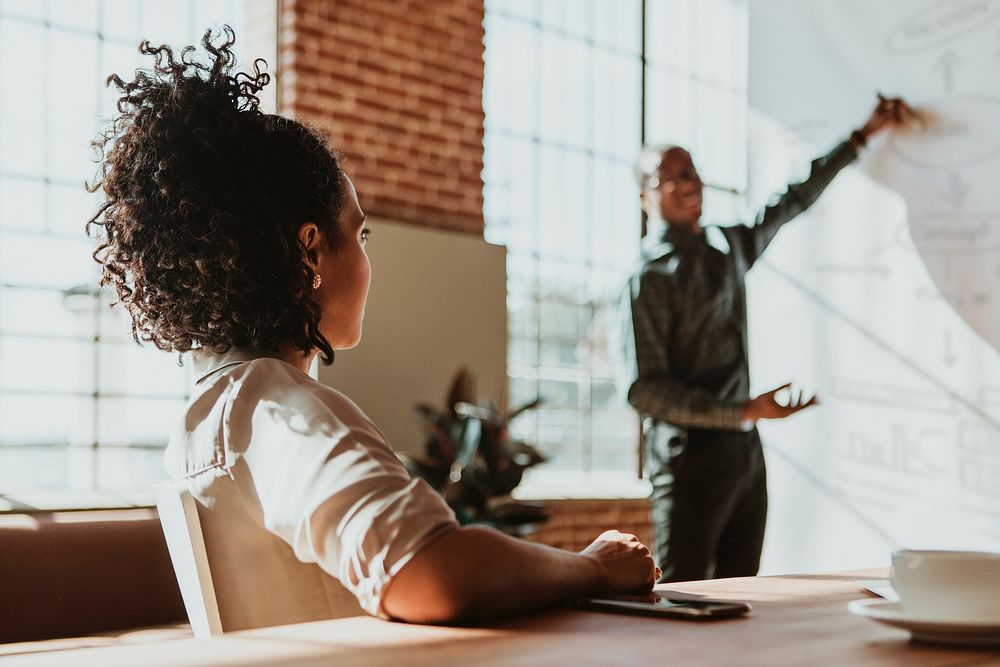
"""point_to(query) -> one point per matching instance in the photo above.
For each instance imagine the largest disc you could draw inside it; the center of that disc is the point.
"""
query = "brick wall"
(575, 523)
(397, 85)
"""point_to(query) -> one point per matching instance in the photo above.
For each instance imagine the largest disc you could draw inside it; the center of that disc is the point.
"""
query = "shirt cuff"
(732, 416)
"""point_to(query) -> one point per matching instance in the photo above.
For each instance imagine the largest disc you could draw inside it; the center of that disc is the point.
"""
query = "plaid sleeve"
(653, 390)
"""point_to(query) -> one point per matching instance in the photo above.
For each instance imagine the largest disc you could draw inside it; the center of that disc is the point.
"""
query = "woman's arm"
(475, 573)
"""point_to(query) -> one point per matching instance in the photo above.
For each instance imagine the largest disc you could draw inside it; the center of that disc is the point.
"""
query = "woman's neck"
(296, 358)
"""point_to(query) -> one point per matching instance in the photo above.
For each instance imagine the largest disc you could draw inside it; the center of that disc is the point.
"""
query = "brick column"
(397, 85)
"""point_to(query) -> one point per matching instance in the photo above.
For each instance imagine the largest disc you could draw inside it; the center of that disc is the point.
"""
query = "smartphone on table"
(666, 605)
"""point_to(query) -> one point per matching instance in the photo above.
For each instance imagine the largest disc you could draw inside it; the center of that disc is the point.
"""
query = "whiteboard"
(885, 296)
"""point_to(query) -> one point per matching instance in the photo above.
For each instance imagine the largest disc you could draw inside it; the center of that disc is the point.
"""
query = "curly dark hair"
(203, 198)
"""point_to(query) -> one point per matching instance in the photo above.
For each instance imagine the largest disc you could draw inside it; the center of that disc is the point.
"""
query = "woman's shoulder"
(274, 383)
(259, 402)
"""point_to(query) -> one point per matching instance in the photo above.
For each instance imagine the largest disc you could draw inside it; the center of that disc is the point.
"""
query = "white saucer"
(937, 631)
(880, 587)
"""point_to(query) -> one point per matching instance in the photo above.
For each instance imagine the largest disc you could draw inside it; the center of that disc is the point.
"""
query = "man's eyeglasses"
(670, 184)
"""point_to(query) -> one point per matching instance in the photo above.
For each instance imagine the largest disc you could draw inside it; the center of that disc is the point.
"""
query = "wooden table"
(796, 620)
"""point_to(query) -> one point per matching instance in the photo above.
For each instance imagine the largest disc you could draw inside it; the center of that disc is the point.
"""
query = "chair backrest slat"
(178, 512)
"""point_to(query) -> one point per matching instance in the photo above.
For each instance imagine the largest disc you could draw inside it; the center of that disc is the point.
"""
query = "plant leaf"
(462, 390)
(524, 408)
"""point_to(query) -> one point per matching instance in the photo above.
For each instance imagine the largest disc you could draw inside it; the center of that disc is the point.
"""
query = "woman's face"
(346, 274)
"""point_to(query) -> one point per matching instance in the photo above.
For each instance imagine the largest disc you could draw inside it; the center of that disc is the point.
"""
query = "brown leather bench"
(67, 574)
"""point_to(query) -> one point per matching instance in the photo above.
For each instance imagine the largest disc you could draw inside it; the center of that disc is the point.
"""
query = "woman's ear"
(309, 238)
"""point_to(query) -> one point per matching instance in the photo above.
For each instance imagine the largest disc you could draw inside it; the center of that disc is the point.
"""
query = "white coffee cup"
(961, 586)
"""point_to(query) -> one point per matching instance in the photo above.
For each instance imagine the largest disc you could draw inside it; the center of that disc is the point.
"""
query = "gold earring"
(317, 281)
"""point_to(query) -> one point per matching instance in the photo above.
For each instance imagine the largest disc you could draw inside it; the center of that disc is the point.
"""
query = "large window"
(696, 93)
(565, 120)
(82, 407)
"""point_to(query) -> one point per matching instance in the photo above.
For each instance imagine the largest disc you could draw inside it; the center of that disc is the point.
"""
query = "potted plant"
(471, 459)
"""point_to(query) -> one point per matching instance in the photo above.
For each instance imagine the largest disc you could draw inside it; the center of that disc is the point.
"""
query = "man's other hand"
(767, 405)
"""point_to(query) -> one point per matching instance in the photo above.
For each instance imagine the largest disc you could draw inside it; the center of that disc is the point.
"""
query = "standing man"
(689, 372)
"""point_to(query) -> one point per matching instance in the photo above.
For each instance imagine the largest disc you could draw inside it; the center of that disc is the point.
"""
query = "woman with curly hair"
(236, 236)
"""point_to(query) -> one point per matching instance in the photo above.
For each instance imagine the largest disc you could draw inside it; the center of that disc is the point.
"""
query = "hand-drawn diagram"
(952, 132)
(895, 395)
(902, 453)
(891, 282)
(939, 24)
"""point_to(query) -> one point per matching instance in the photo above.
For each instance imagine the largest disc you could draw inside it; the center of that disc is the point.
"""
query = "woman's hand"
(624, 563)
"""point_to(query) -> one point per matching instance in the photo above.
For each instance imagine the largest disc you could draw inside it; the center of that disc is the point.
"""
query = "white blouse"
(321, 473)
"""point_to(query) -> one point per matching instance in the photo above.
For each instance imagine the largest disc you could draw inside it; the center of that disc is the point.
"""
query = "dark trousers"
(709, 502)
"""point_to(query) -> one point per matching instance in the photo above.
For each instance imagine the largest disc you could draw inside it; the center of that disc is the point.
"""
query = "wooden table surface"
(796, 620)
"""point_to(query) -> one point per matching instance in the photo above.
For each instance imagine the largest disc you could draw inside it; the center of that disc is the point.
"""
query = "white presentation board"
(885, 296)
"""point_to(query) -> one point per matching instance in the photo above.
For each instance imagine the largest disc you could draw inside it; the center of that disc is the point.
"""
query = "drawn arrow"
(946, 63)
(958, 189)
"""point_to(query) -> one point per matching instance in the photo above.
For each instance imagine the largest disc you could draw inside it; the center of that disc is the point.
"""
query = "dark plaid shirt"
(685, 343)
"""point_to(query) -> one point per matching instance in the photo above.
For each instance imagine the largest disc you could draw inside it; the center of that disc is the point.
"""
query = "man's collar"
(205, 362)
(682, 238)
